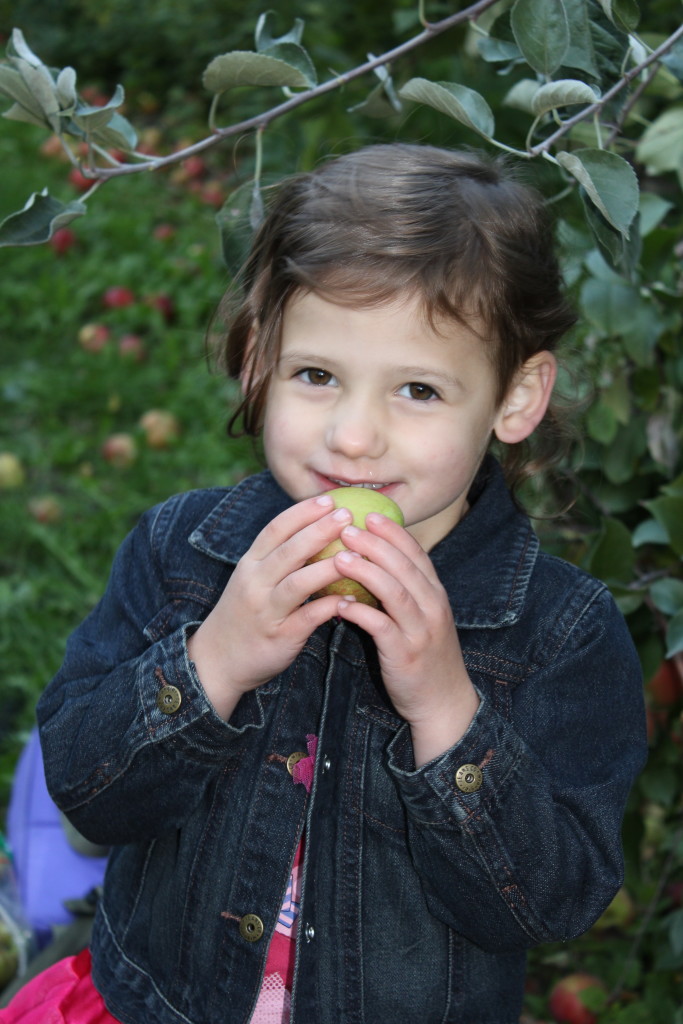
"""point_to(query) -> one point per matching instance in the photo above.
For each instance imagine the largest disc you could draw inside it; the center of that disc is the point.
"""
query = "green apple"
(359, 501)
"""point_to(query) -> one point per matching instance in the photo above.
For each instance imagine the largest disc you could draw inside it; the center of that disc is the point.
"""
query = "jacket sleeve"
(119, 763)
(534, 853)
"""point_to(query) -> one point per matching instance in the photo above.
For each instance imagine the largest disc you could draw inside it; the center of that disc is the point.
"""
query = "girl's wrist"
(434, 734)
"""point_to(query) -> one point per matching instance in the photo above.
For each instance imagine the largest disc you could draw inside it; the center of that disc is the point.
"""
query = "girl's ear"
(525, 404)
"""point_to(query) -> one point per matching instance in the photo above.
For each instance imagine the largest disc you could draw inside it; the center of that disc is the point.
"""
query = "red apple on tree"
(567, 999)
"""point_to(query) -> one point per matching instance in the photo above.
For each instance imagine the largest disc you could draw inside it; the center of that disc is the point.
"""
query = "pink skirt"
(62, 994)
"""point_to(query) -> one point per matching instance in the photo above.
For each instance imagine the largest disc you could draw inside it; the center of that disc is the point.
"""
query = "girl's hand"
(417, 642)
(261, 622)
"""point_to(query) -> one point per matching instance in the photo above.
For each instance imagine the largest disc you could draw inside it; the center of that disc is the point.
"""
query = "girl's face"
(374, 397)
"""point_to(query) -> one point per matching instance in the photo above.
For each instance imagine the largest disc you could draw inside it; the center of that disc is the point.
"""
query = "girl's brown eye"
(314, 375)
(420, 392)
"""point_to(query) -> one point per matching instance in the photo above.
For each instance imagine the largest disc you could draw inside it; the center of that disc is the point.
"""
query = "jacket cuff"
(175, 703)
(462, 786)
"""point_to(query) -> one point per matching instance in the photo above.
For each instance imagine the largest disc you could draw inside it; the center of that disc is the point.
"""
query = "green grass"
(60, 403)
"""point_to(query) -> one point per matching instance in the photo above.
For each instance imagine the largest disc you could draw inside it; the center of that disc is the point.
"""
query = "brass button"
(251, 927)
(294, 758)
(169, 699)
(468, 778)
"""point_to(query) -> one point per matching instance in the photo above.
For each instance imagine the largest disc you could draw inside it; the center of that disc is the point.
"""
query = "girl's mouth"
(347, 483)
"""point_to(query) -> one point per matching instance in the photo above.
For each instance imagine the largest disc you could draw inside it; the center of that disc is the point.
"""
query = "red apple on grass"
(132, 347)
(62, 240)
(359, 501)
(118, 297)
(567, 999)
(45, 509)
(120, 450)
(161, 428)
(93, 337)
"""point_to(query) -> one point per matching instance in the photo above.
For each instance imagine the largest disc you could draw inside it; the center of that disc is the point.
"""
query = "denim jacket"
(422, 889)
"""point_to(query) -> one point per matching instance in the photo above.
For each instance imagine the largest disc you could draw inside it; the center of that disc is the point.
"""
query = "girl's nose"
(355, 431)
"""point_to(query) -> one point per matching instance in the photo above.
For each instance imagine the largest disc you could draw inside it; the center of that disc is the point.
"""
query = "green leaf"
(673, 60)
(667, 595)
(264, 37)
(26, 107)
(621, 459)
(459, 102)
(661, 145)
(619, 253)
(674, 636)
(522, 95)
(668, 511)
(18, 47)
(581, 53)
(92, 119)
(565, 92)
(612, 559)
(297, 57)
(622, 13)
(40, 218)
(495, 50)
(118, 133)
(382, 101)
(653, 210)
(601, 423)
(650, 532)
(541, 31)
(66, 89)
(609, 305)
(242, 67)
(609, 181)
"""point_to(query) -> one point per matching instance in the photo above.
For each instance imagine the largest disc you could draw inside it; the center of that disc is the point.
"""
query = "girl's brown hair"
(455, 228)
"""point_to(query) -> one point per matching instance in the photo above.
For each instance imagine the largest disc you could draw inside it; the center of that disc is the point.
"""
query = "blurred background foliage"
(71, 379)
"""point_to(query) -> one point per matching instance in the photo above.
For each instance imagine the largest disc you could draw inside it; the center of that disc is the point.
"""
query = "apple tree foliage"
(588, 94)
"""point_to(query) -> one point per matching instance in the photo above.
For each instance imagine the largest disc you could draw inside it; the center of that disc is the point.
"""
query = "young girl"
(321, 811)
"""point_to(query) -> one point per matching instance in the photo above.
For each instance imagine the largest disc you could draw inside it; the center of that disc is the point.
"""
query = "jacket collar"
(485, 562)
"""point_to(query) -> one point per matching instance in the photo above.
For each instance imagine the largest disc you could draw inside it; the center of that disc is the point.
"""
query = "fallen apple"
(12, 472)
(567, 999)
(161, 428)
(120, 450)
(359, 501)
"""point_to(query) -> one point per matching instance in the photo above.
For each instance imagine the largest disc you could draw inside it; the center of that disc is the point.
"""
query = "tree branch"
(261, 121)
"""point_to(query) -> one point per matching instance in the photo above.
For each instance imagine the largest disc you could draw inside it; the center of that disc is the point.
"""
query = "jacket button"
(309, 932)
(251, 927)
(468, 778)
(327, 763)
(169, 699)
(294, 758)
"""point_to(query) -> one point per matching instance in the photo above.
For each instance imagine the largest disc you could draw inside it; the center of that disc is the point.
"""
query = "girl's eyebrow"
(418, 373)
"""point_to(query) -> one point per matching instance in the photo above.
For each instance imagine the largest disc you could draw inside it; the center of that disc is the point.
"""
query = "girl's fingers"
(299, 533)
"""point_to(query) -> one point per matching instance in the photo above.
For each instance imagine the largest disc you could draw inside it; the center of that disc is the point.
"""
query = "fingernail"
(351, 531)
(341, 515)
(374, 517)
(347, 556)
(325, 500)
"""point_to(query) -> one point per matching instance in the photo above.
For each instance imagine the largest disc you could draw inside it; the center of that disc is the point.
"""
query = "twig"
(261, 121)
